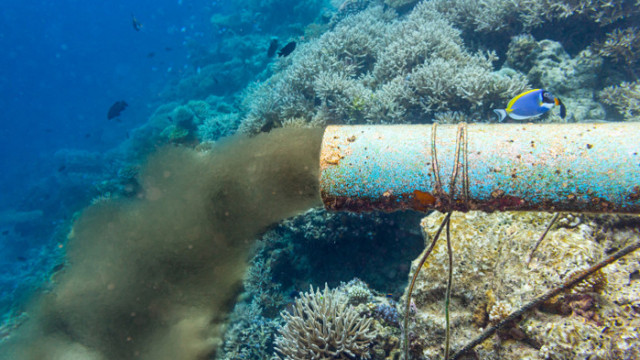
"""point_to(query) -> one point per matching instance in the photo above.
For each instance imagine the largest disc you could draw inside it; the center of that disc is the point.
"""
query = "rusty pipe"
(489, 167)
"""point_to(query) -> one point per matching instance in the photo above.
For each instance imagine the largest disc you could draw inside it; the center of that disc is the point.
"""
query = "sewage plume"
(155, 277)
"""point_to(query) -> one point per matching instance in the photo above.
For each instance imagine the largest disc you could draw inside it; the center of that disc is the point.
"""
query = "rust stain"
(423, 201)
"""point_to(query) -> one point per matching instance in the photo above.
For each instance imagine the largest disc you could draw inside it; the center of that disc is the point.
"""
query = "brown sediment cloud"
(155, 277)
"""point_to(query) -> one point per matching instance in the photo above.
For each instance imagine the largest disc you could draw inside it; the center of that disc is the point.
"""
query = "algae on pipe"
(500, 167)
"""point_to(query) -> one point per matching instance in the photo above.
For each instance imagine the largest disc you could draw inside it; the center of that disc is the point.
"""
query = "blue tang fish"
(530, 104)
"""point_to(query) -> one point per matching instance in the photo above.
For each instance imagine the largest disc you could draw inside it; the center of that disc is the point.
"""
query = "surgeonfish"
(116, 109)
(530, 104)
(273, 47)
(287, 49)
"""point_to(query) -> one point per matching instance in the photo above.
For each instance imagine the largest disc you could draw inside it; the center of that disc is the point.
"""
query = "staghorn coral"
(486, 16)
(290, 92)
(522, 52)
(622, 46)
(217, 126)
(625, 98)
(323, 326)
(518, 15)
(374, 67)
(450, 117)
(346, 8)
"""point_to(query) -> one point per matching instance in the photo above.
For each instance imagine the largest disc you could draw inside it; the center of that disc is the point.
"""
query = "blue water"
(64, 63)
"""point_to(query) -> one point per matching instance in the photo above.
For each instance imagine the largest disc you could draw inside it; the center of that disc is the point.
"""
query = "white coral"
(499, 311)
(323, 326)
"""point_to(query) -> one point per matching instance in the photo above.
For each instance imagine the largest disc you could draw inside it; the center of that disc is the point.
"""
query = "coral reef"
(400, 4)
(250, 335)
(317, 247)
(322, 326)
(491, 278)
(334, 247)
(622, 45)
(518, 15)
(573, 79)
(374, 67)
(377, 66)
(625, 98)
(388, 313)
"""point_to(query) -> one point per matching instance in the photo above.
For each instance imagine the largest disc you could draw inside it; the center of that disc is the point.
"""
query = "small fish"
(21, 258)
(116, 109)
(87, 135)
(151, 54)
(137, 25)
(61, 168)
(530, 104)
(287, 49)
(58, 267)
(5, 233)
(273, 46)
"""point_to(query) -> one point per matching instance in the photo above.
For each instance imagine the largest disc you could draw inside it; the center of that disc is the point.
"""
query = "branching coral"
(377, 68)
(498, 15)
(622, 46)
(625, 98)
(323, 326)
(290, 92)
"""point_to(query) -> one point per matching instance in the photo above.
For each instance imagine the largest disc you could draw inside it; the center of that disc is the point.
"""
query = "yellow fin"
(513, 101)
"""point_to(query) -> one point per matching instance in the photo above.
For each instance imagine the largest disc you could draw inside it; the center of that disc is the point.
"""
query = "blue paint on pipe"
(541, 167)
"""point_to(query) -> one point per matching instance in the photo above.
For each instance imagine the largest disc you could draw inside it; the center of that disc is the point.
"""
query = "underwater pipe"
(489, 167)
